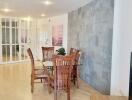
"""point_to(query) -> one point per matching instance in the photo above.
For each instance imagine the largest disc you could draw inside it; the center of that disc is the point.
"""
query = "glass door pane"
(8, 52)
(24, 31)
(15, 42)
(13, 35)
(7, 35)
(17, 37)
(3, 36)
(15, 54)
(22, 52)
(4, 53)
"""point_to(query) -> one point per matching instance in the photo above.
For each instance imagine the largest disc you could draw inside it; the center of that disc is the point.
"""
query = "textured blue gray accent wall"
(90, 28)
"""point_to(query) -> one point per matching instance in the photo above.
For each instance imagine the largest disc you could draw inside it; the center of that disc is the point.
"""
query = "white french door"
(13, 38)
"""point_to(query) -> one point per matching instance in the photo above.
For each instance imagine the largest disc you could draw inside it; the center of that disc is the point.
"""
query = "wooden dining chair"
(75, 70)
(48, 53)
(62, 75)
(71, 50)
(41, 74)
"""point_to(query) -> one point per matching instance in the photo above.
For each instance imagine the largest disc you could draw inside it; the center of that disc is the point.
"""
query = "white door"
(23, 30)
(14, 40)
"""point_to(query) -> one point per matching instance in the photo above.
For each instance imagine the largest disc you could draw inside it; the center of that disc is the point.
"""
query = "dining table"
(49, 66)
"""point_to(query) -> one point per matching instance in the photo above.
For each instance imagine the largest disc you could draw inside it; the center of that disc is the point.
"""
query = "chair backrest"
(48, 53)
(77, 58)
(31, 58)
(62, 73)
(75, 52)
(71, 50)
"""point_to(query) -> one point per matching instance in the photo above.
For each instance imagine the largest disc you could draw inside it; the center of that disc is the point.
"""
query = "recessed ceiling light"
(5, 10)
(28, 18)
(47, 2)
(43, 15)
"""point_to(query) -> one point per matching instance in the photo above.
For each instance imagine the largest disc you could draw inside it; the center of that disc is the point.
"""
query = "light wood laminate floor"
(15, 85)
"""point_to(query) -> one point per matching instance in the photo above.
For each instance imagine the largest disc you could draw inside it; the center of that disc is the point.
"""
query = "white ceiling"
(35, 8)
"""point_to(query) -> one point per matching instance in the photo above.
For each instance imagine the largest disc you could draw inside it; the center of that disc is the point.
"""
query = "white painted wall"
(122, 47)
(58, 20)
(32, 37)
(45, 26)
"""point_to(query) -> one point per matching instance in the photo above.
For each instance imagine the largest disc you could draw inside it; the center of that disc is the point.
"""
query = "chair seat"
(38, 64)
(40, 76)
(41, 73)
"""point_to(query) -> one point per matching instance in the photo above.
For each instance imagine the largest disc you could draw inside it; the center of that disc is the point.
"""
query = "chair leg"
(77, 85)
(41, 80)
(49, 84)
(49, 88)
(68, 94)
(77, 76)
(32, 88)
(55, 95)
(74, 75)
(74, 80)
(32, 85)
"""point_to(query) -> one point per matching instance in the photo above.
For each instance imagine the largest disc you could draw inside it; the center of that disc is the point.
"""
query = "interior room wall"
(90, 28)
(122, 48)
(46, 24)
(32, 37)
(61, 20)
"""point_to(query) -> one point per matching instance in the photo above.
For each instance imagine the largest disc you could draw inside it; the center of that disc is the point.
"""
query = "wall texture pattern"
(90, 28)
